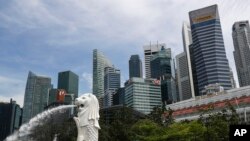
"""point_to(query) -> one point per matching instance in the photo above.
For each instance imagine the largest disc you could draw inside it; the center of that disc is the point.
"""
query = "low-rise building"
(191, 109)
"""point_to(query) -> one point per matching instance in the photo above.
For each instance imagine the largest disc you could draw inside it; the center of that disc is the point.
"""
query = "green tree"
(147, 130)
(118, 125)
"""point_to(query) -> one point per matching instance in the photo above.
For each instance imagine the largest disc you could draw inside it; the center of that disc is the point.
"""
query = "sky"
(47, 37)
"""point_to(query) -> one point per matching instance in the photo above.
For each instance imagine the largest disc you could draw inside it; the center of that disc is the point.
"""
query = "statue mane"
(90, 110)
(88, 116)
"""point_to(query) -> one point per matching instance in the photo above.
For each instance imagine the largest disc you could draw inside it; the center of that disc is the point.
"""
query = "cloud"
(11, 88)
(18, 98)
(123, 80)
(87, 77)
(52, 36)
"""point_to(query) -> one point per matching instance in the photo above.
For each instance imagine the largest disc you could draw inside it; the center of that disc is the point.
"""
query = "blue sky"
(47, 36)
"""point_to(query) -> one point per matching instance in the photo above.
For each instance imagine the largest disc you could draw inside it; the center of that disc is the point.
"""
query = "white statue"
(88, 116)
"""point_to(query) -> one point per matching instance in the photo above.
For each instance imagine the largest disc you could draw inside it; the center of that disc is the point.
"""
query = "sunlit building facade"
(142, 94)
(99, 63)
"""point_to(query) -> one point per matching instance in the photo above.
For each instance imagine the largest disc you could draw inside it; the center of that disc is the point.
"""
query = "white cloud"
(11, 88)
(18, 98)
(75, 21)
(109, 23)
(88, 78)
(123, 80)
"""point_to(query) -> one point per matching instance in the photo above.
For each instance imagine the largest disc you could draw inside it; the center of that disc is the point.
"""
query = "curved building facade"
(241, 39)
(99, 63)
(135, 66)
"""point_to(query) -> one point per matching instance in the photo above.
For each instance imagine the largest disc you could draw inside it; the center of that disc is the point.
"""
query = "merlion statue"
(88, 116)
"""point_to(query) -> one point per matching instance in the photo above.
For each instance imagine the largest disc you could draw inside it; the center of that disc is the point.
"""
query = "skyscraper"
(149, 51)
(36, 95)
(160, 63)
(208, 51)
(135, 66)
(142, 94)
(119, 97)
(232, 79)
(184, 68)
(10, 118)
(68, 81)
(162, 68)
(99, 63)
(183, 76)
(241, 39)
(112, 81)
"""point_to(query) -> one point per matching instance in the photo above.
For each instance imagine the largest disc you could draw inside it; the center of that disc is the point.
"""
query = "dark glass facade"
(161, 68)
(160, 63)
(119, 97)
(135, 66)
(10, 118)
(168, 90)
(68, 81)
(209, 56)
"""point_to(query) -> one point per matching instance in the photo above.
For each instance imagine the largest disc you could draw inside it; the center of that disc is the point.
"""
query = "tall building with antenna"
(149, 51)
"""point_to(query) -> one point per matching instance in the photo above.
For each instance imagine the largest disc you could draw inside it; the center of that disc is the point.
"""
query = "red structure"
(216, 105)
(60, 95)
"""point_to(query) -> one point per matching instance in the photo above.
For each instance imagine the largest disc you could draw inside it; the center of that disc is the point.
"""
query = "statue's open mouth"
(80, 105)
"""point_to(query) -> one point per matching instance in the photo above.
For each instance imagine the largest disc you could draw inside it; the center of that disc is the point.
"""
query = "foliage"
(162, 116)
(124, 125)
(65, 130)
(146, 130)
(117, 125)
(217, 124)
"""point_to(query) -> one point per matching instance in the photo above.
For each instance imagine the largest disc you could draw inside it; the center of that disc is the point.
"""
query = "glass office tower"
(112, 81)
(135, 66)
(36, 95)
(241, 39)
(142, 94)
(208, 52)
(99, 63)
(68, 81)
(149, 51)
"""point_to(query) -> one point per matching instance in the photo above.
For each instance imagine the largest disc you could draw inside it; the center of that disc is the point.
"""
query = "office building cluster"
(40, 94)
(201, 69)
(195, 78)
(210, 77)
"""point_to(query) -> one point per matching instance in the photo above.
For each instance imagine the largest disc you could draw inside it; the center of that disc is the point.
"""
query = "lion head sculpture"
(88, 109)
